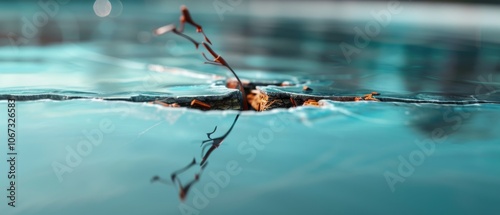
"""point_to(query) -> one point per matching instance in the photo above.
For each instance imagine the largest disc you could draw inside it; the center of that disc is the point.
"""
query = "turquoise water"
(322, 160)
(432, 147)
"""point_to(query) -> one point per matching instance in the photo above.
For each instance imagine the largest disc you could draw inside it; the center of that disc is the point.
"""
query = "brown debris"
(311, 102)
(259, 101)
(292, 101)
(200, 105)
(369, 97)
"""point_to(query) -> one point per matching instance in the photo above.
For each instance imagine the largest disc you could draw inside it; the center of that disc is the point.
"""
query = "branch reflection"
(213, 143)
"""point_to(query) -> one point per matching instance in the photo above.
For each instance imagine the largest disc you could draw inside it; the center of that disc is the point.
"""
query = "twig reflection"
(213, 143)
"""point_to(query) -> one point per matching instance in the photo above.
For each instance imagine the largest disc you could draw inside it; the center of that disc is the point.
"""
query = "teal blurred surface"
(341, 158)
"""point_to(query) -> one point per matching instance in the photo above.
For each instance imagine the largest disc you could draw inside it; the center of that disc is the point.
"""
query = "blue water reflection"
(330, 159)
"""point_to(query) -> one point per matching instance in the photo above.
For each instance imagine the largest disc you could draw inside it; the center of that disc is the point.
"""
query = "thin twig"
(218, 60)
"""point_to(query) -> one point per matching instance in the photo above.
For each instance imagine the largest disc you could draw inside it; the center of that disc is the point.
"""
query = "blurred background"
(444, 47)
(328, 160)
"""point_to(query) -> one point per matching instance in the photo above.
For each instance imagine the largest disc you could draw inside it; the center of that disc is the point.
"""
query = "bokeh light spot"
(102, 8)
